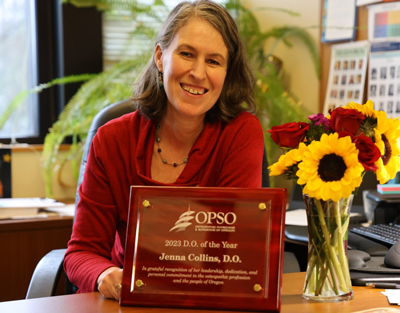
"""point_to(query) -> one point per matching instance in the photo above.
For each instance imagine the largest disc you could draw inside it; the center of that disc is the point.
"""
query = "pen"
(383, 285)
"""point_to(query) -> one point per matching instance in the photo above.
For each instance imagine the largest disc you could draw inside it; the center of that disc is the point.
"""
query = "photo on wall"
(384, 76)
(347, 73)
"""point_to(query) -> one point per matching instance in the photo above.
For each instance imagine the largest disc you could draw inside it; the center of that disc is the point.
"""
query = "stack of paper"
(393, 296)
(389, 189)
(25, 207)
(298, 217)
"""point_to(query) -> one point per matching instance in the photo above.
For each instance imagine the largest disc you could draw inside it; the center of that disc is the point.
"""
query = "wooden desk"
(364, 298)
(22, 244)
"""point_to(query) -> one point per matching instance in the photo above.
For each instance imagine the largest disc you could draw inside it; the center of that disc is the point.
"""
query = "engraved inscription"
(196, 276)
(199, 257)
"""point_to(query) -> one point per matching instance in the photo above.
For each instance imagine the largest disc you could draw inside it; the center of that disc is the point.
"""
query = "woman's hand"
(108, 281)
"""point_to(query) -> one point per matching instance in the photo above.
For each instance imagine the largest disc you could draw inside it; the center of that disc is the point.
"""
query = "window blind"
(128, 33)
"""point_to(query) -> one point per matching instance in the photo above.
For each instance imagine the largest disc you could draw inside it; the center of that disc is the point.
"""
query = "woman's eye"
(185, 54)
(213, 62)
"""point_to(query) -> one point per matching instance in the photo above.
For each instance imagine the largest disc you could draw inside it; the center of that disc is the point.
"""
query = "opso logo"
(203, 218)
(220, 218)
(183, 221)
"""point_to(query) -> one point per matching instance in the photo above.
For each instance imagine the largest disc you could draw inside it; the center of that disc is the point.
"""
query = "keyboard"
(386, 234)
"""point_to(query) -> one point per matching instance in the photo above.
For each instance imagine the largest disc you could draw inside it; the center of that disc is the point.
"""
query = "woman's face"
(194, 66)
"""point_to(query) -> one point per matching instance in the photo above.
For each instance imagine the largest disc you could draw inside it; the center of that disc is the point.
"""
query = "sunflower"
(288, 162)
(366, 109)
(330, 168)
(387, 133)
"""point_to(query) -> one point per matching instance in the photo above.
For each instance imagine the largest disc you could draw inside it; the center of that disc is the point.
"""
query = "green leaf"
(21, 96)
(108, 87)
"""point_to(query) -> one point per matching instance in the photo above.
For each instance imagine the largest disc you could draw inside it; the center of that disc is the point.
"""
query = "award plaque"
(209, 248)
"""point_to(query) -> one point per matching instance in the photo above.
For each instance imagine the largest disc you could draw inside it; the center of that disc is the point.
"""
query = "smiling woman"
(193, 127)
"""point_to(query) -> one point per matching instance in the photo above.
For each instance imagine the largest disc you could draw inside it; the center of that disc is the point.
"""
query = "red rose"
(345, 134)
(290, 134)
(368, 152)
(346, 120)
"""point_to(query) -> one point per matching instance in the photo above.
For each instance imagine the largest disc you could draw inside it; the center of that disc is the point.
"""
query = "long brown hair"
(150, 99)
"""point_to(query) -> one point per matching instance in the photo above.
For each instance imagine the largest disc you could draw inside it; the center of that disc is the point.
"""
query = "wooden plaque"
(215, 248)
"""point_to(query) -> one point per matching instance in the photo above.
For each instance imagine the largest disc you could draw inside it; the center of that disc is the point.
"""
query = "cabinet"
(22, 244)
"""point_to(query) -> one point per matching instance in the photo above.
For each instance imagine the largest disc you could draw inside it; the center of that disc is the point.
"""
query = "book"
(389, 189)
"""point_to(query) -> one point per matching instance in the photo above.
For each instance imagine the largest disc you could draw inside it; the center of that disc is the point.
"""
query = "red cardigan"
(224, 155)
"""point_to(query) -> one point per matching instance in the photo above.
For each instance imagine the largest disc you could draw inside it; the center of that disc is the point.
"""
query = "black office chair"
(47, 273)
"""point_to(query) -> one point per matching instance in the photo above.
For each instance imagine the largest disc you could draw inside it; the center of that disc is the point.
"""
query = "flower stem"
(331, 250)
(323, 273)
(342, 255)
(333, 283)
(314, 255)
(311, 264)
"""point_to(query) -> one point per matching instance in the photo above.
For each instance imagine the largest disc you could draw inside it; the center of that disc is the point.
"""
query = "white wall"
(27, 179)
(299, 69)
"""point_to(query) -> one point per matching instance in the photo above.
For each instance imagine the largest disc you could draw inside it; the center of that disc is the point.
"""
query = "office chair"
(47, 273)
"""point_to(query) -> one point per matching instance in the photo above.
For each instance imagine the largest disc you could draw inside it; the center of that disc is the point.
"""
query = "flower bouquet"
(328, 157)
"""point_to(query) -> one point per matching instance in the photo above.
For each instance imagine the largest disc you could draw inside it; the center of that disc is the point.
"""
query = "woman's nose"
(198, 70)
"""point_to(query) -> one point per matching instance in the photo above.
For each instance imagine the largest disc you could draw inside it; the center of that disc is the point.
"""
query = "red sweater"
(224, 155)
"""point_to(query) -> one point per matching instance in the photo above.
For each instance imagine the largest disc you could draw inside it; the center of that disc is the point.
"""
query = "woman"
(190, 129)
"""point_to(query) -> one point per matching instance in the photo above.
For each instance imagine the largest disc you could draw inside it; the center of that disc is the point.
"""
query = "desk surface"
(364, 298)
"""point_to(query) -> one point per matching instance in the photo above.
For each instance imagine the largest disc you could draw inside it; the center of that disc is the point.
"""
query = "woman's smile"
(193, 90)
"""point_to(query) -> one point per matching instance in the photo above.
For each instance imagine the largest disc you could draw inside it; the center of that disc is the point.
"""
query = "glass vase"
(328, 276)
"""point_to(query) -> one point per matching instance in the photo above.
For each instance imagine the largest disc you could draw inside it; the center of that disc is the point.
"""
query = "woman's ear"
(158, 57)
